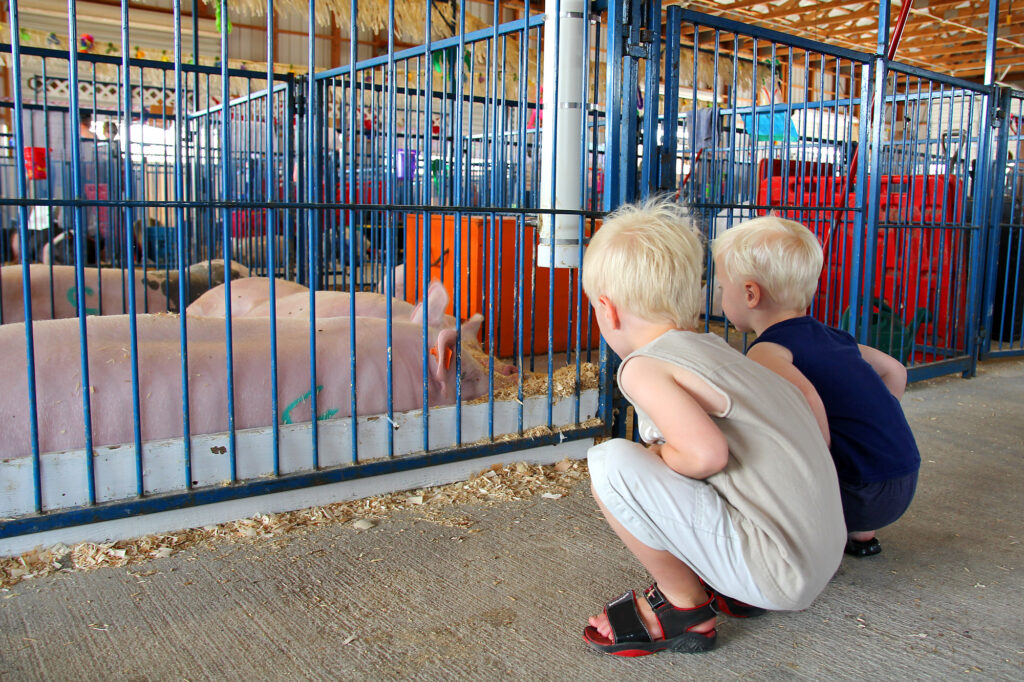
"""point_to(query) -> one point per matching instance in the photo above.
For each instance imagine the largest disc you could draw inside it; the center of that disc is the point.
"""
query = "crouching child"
(733, 504)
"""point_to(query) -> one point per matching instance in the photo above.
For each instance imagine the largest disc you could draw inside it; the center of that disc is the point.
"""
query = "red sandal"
(631, 637)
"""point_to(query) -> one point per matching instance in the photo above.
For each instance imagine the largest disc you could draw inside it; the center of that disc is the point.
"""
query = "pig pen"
(158, 460)
(354, 178)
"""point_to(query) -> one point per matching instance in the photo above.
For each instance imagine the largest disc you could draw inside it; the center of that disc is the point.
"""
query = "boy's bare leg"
(861, 535)
(675, 579)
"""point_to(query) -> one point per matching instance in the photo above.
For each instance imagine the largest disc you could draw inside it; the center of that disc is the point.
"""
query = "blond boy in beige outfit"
(733, 504)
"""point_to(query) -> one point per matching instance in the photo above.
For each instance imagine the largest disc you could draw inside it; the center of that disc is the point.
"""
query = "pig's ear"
(437, 302)
(399, 291)
(471, 327)
(443, 355)
(400, 281)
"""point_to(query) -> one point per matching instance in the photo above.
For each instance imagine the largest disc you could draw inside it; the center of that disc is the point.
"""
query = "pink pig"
(54, 293)
(246, 293)
(250, 297)
(367, 304)
(59, 381)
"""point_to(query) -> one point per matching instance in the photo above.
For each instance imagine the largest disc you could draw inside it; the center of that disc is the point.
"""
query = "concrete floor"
(504, 590)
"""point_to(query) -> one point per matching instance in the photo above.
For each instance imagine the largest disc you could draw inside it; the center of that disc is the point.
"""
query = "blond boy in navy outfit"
(769, 269)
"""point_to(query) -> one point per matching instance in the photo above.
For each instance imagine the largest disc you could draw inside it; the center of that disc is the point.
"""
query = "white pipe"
(562, 152)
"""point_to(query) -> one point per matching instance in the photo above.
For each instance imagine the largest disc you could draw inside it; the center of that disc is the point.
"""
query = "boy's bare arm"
(780, 360)
(891, 370)
(694, 446)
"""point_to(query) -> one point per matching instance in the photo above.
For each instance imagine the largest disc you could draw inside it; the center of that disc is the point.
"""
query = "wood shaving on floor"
(438, 504)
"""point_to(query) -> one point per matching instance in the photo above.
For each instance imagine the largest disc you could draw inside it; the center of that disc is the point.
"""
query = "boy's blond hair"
(647, 259)
(781, 255)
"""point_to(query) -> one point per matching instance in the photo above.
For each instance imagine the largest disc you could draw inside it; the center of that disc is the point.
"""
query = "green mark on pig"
(287, 416)
(73, 300)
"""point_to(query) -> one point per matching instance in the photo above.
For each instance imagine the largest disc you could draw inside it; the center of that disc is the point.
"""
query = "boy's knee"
(613, 454)
(620, 464)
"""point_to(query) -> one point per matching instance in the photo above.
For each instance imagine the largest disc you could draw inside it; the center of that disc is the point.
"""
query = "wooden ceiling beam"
(825, 4)
(957, 61)
(944, 50)
(941, 4)
(978, 71)
(964, 27)
(947, 48)
(930, 34)
(829, 22)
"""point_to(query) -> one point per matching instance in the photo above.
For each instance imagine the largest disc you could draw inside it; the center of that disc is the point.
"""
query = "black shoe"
(862, 549)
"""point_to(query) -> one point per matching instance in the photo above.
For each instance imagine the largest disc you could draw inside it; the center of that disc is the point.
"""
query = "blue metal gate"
(425, 172)
(876, 158)
(417, 175)
(1003, 307)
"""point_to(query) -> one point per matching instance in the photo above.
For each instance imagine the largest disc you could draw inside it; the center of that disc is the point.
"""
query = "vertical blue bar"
(458, 101)
(864, 254)
(270, 235)
(179, 219)
(581, 313)
(978, 319)
(390, 226)
(26, 291)
(994, 226)
(630, 88)
(351, 188)
(523, 202)
(428, 217)
(227, 193)
(670, 141)
(991, 229)
(613, 95)
(554, 218)
(130, 251)
(652, 81)
(312, 225)
(868, 248)
(80, 227)
(613, 195)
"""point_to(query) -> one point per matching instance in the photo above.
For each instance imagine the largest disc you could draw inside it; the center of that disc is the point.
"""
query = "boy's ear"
(610, 312)
(752, 294)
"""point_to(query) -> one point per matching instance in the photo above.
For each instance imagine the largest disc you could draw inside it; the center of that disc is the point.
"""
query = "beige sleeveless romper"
(771, 516)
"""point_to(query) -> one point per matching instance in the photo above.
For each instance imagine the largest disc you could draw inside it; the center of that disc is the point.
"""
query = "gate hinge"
(639, 42)
(998, 116)
(300, 96)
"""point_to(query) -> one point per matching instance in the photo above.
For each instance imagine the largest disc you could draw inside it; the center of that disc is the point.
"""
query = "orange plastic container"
(490, 246)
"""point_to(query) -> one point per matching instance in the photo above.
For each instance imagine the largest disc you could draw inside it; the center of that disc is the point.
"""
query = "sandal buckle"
(654, 597)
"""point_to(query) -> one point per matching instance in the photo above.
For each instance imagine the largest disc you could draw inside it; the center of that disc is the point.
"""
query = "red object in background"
(35, 163)
(99, 192)
(367, 192)
(248, 222)
(917, 260)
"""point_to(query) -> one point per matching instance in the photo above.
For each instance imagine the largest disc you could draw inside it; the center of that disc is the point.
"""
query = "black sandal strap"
(625, 620)
(674, 620)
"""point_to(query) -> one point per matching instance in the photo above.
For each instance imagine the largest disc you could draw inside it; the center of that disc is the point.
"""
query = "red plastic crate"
(915, 263)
